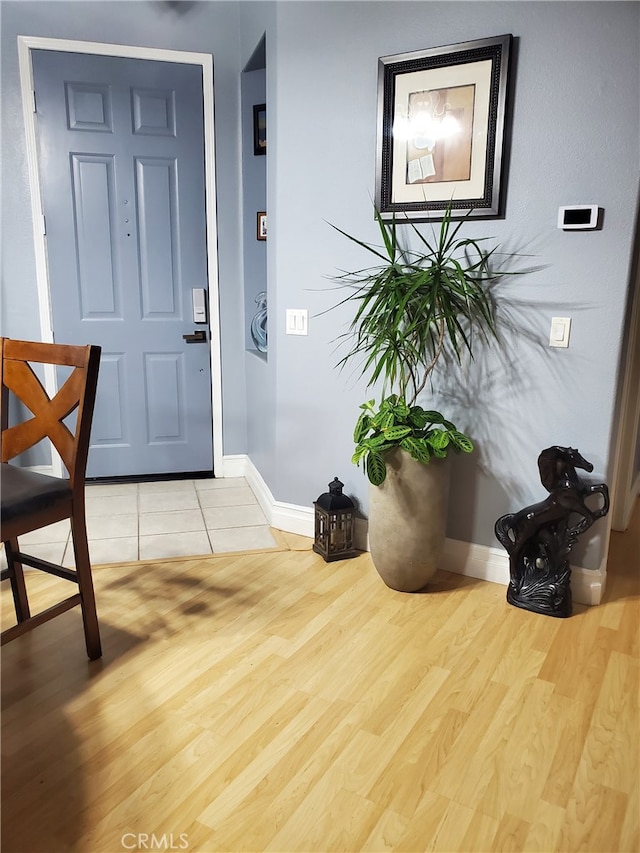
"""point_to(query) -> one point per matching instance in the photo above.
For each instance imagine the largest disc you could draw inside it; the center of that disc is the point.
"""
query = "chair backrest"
(77, 392)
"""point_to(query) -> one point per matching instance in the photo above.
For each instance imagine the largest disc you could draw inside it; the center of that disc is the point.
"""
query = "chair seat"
(23, 492)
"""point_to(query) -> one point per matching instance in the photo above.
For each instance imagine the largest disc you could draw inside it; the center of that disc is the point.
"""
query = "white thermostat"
(578, 217)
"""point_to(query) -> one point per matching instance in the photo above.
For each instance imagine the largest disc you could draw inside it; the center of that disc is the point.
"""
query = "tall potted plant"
(416, 309)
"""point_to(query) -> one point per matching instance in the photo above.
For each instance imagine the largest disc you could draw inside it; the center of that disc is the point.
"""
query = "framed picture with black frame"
(441, 130)
(260, 129)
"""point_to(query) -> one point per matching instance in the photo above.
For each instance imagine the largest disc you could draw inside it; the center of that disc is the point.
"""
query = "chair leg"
(85, 584)
(16, 579)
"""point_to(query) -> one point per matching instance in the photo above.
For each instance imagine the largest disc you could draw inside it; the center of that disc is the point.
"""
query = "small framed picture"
(260, 129)
(262, 225)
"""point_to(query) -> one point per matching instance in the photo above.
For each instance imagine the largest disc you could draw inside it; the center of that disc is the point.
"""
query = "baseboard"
(475, 561)
(236, 466)
(492, 564)
(587, 585)
(283, 516)
(464, 558)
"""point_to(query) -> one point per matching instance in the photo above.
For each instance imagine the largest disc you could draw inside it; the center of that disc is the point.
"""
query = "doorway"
(168, 435)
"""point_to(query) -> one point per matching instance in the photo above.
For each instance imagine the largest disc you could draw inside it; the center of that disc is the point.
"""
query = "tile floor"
(146, 521)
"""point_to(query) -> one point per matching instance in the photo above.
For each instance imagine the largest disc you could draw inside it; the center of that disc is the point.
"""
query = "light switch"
(297, 321)
(560, 328)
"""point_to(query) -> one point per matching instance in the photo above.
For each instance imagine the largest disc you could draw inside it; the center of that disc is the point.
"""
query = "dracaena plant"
(413, 308)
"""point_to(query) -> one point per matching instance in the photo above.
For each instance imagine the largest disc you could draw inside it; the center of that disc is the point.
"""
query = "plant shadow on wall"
(418, 312)
(506, 389)
(517, 394)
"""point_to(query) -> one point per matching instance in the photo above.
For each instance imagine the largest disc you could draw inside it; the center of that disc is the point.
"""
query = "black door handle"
(199, 337)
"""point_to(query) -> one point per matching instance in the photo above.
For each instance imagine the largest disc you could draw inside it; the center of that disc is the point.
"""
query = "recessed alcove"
(254, 195)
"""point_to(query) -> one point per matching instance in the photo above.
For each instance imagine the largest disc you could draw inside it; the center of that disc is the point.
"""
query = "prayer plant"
(413, 309)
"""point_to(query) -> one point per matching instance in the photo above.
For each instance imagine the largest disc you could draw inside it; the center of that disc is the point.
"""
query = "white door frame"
(25, 45)
(625, 487)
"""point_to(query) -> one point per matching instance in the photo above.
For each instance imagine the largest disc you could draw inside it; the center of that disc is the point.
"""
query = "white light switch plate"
(560, 328)
(297, 321)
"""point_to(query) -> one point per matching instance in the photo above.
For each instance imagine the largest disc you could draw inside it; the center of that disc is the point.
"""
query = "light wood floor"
(273, 702)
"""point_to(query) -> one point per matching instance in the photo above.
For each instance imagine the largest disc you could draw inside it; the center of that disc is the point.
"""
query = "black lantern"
(334, 514)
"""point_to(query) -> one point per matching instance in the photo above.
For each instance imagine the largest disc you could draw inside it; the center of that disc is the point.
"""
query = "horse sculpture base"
(539, 538)
(548, 593)
(559, 606)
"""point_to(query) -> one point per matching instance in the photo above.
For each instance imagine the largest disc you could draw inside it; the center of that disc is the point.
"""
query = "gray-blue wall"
(575, 139)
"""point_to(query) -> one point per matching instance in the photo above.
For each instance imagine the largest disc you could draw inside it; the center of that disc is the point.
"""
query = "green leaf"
(359, 453)
(375, 441)
(417, 447)
(376, 468)
(417, 417)
(401, 410)
(383, 420)
(361, 428)
(389, 402)
(434, 417)
(438, 439)
(395, 433)
(461, 441)
(389, 445)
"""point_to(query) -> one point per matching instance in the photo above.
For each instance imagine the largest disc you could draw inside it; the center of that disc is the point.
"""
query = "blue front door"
(123, 183)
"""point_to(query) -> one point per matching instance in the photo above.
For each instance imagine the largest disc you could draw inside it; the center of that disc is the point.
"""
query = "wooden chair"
(31, 500)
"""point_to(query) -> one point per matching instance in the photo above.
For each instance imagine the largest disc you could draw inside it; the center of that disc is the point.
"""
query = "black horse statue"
(539, 538)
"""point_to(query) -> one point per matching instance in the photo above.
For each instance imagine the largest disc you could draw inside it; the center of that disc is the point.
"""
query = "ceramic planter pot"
(407, 520)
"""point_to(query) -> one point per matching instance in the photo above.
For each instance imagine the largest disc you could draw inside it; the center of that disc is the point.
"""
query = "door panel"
(122, 167)
(156, 189)
(93, 210)
(164, 380)
(110, 424)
